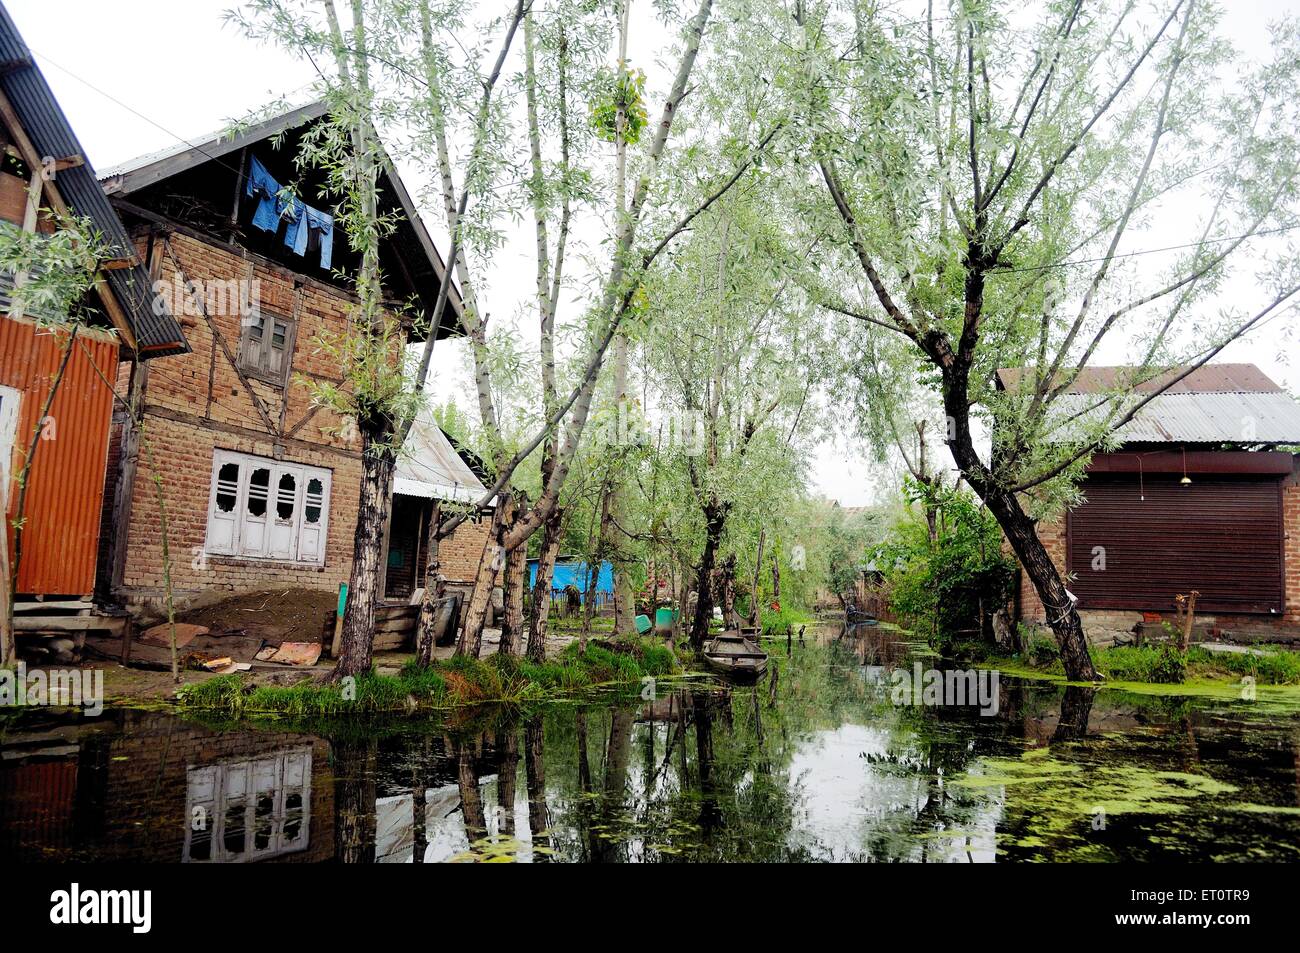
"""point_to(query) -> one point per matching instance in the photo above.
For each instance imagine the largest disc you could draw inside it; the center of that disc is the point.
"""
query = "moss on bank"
(1160, 664)
(445, 684)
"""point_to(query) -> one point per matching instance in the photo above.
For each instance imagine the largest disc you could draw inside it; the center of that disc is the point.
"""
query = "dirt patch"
(270, 615)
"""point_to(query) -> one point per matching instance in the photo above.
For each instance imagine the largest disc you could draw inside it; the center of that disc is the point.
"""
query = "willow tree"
(739, 370)
(991, 176)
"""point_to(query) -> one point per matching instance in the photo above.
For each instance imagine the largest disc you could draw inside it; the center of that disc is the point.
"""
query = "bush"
(936, 585)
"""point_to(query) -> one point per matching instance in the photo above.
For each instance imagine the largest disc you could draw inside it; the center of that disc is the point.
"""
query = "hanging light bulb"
(1186, 480)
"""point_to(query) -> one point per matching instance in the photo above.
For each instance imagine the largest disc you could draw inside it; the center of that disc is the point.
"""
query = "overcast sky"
(138, 75)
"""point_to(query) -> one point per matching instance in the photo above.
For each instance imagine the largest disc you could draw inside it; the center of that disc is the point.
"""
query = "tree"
(984, 178)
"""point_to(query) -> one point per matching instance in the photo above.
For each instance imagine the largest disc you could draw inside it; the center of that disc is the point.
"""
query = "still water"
(827, 768)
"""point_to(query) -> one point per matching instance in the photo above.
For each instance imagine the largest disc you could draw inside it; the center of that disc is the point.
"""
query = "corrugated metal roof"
(1207, 379)
(431, 468)
(1244, 418)
(51, 135)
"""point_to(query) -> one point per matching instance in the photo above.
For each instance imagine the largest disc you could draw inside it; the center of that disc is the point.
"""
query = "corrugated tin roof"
(431, 468)
(1207, 379)
(51, 135)
(1178, 417)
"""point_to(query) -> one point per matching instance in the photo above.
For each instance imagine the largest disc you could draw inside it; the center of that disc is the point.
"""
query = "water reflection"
(825, 767)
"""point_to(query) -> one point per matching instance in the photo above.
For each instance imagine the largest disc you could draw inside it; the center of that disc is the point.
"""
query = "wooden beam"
(69, 623)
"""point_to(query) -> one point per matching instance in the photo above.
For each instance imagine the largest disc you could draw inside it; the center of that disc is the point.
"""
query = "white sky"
(150, 72)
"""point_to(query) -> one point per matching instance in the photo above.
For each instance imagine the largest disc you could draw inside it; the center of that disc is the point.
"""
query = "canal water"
(836, 764)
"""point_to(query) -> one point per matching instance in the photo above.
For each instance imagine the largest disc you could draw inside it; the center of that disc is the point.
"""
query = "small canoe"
(735, 654)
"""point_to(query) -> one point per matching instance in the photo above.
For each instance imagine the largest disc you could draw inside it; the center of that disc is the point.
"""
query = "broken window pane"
(258, 488)
(227, 487)
(286, 497)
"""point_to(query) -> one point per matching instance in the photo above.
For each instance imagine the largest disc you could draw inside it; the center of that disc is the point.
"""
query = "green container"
(664, 618)
(642, 624)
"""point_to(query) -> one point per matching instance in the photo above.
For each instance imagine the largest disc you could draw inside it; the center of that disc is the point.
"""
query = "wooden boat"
(737, 655)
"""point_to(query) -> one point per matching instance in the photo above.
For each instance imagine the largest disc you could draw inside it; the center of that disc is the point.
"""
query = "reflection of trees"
(354, 800)
(535, 773)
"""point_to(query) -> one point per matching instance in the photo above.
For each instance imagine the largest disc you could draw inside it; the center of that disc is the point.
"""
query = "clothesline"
(273, 207)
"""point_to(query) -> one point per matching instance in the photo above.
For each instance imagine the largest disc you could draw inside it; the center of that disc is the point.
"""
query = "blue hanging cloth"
(267, 191)
(308, 220)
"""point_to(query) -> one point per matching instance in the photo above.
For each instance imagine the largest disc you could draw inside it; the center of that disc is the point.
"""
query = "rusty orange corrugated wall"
(66, 488)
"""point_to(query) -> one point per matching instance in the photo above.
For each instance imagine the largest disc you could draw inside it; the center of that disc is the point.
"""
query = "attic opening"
(207, 189)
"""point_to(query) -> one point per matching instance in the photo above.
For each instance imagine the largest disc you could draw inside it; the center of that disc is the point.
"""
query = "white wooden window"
(239, 811)
(266, 346)
(267, 509)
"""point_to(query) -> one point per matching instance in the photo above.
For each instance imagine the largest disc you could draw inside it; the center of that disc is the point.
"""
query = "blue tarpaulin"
(574, 572)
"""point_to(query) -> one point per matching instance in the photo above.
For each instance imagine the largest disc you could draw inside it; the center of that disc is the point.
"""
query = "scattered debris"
(291, 653)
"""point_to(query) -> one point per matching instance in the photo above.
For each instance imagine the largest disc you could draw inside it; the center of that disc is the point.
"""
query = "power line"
(135, 112)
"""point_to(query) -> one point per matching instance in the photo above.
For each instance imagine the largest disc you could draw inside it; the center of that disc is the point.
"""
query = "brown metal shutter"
(1219, 535)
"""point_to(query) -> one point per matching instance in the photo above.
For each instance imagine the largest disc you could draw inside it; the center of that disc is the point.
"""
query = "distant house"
(431, 469)
(261, 481)
(1202, 495)
(575, 571)
(45, 181)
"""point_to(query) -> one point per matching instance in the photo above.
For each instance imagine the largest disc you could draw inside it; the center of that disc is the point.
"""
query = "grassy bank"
(1165, 665)
(447, 684)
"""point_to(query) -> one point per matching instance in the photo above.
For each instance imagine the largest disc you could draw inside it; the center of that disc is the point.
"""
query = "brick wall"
(196, 404)
(1103, 624)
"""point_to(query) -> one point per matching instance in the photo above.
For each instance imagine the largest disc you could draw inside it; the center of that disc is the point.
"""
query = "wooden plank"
(69, 623)
(43, 606)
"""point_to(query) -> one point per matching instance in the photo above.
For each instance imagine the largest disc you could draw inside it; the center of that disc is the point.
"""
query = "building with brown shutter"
(1203, 494)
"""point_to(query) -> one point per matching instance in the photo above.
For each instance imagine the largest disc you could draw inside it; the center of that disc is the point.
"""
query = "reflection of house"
(45, 181)
(136, 786)
(261, 479)
(432, 469)
(249, 809)
(1197, 497)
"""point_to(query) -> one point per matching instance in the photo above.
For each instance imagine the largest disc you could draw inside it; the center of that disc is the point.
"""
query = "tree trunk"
(535, 775)
(374, 500)
(489, 563)
(1062, 615)
(542, 586)
(471, 800)
(776, 576)
(507, 777)
(715, 519)
(512, 625)
(435, 590)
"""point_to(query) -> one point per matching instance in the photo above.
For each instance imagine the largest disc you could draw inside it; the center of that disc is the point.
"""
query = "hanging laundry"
(310, 220)
(267, 191)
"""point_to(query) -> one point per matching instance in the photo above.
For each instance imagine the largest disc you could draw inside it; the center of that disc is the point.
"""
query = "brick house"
(1202, 495)
(46, 182)
(260, 481)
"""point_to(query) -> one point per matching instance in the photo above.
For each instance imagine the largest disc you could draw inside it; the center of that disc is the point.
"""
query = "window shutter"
(224, 506)
(256, 510)
(315, 515)
(285, 512)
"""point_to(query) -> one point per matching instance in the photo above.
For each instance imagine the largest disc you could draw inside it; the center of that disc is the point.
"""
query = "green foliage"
(622, 90)
(936, 585)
